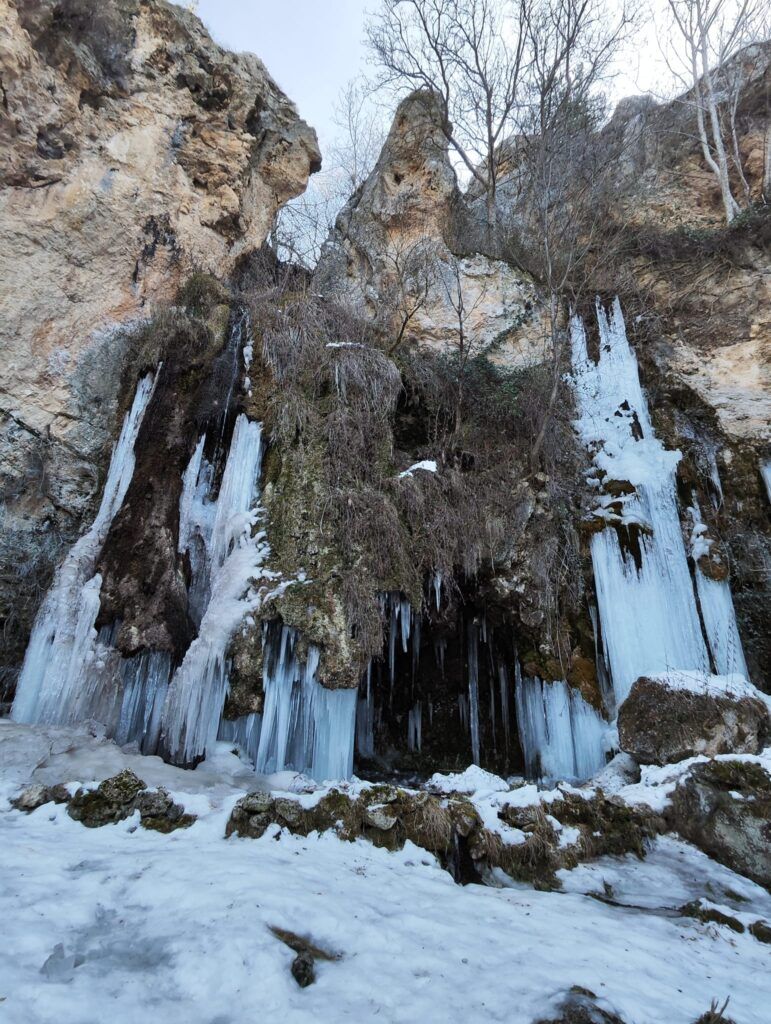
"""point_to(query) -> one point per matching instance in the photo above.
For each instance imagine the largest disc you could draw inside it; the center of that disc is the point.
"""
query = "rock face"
(663, 720)
(399, 252)
(711, 286)
(724, 808)
(134, 149)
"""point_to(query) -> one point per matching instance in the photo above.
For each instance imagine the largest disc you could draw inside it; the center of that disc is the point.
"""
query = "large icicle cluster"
(61, 679)
(229, 579)
(562, 736)
(305, 726)
(717, 607)
(647, 607)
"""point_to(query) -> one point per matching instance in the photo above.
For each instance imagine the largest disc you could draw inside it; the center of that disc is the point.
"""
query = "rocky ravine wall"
(134, 149)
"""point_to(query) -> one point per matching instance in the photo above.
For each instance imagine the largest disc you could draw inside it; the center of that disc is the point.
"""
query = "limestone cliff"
(134, 150)
(400, 251)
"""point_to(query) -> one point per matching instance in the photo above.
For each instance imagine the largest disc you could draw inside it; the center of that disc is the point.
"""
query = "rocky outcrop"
(113, 800)
(527, 843)
(401, 255)
(709, 285)
(670, 718)
(134, 150)
(724, 808)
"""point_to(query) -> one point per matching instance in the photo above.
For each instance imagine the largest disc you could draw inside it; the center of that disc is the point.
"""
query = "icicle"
(473, 689)
(717, 607)
(405, 613)
(365, 717)
(243, 732)
(436, 582)
(765, 472)
(647, 611)
(305, 726)
(562, 736)
(414, 728)
(62, 644)
(145, 684)
(503, 681)
(463, 711)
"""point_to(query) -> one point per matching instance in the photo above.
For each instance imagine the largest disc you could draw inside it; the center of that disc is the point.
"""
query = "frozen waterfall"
(230, 578)
(717, 607)
(60, 679)
(648, 614)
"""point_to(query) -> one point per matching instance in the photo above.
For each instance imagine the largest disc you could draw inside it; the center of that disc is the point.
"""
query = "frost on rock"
(562, 736)
(60, 679)
(647, 607)
(305, 725)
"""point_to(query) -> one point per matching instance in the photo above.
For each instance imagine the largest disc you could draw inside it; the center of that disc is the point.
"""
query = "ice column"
(62, 653)
(473, 689)
(717, 607)
(365, 717)
(562, 736)
(647, 611)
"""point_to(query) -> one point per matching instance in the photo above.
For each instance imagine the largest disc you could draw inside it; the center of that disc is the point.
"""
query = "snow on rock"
(734, 685)
(473, 780)
(677, 715)
(427, 465)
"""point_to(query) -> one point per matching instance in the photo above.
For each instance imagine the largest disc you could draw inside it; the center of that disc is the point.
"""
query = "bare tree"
(473, 55)
(410, 270)
(707, 35)
(468, 344)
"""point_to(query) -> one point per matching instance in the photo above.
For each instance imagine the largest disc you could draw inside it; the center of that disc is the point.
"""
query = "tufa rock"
(660, 724)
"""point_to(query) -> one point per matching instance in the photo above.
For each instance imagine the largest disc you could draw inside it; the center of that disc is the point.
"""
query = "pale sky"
(312, 48)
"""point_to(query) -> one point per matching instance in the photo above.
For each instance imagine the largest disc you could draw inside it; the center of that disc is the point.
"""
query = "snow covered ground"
(121, 924)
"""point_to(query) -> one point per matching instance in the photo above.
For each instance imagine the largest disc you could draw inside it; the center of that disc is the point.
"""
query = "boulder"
(682, 714)
(724, 808)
